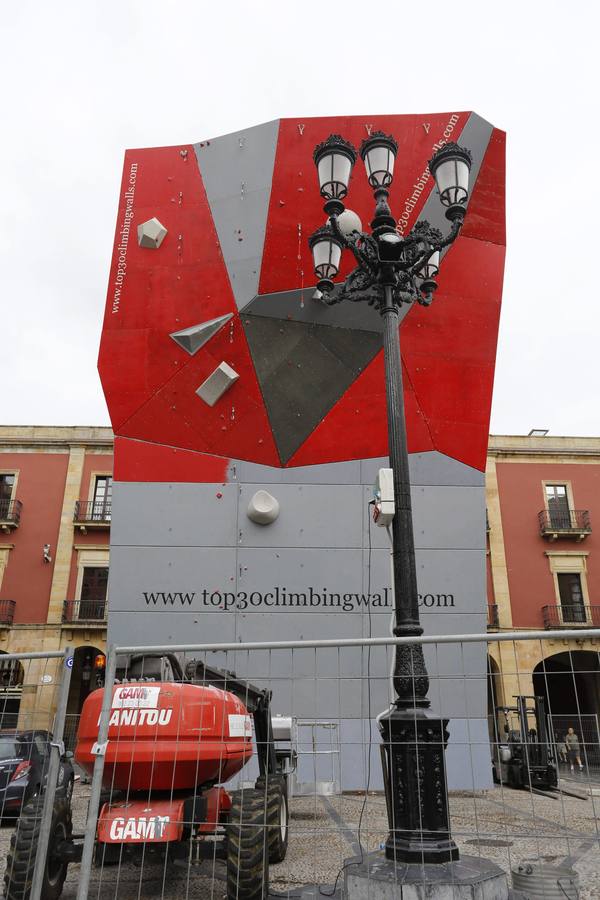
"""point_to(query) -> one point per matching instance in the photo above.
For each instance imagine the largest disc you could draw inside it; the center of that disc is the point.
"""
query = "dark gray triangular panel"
(192, 338)
(299, 306)
(303, 369)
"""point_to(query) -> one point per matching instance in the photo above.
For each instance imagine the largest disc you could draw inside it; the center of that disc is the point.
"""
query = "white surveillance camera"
(47, 557)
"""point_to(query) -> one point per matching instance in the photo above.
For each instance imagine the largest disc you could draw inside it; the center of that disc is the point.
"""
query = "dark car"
(24, 761)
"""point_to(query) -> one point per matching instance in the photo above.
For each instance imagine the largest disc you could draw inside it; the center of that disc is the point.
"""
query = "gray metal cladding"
(188, 565)
(239, 206)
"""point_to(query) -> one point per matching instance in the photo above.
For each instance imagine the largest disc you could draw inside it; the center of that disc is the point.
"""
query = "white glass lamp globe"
(348, 222)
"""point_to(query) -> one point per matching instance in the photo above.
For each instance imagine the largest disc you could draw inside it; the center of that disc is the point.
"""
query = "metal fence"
(155, 823)
(35, 774)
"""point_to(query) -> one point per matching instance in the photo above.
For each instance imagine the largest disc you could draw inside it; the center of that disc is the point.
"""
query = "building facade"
(543, 515)
(543, 501)
(55, 512)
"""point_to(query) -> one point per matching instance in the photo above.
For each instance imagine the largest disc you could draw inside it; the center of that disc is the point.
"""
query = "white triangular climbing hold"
(192, 338)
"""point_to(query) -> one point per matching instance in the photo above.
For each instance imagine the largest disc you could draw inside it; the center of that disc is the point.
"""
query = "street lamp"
(393, 270)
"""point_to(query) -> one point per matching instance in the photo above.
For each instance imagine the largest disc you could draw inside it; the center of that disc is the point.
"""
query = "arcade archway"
(83, 681)
(11, 686)
(570, 685)
(494, 695)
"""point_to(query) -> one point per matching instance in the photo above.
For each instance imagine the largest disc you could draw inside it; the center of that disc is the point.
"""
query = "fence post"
(56, 752)
(100, 751)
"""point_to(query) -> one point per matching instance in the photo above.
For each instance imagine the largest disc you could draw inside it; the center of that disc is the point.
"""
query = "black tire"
(20, 861)
(247, 847)
(278, 814)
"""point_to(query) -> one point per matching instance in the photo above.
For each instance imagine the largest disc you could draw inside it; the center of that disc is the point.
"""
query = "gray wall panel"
(425, 468)
(174, 515)
(240, 208)
(301, 522)
(160, 628)
(183, 539)
(331, 473)
(428, 468)
(436, 522)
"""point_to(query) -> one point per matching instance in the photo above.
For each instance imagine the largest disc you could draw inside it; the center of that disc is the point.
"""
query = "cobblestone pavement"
(502, 825)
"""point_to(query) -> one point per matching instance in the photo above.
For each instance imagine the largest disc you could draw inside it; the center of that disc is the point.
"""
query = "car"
(24, 761)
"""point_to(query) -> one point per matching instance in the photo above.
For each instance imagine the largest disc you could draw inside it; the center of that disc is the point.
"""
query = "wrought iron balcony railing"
(569, 523)
(10, 514)
(7, 612)
(572, 616)
(92, 514)
(80, 611)
(492, 616)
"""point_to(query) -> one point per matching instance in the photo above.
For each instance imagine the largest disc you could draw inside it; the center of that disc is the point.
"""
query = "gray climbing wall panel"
(237, 170)
(187, 564)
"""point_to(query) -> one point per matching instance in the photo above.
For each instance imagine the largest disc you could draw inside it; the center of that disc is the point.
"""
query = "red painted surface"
(93, 464)
(141, 822)
(166, 737)
(144, 461)
(295, 197)
(521, 499)
(40, 487)
(136, 356)
(448, 349)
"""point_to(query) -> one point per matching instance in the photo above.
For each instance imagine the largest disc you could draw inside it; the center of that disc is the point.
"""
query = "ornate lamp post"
(393, 270)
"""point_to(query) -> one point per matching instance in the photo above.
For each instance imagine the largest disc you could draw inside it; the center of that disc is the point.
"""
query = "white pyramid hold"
(151, 234)
(192, 338)
(263, 508)
(217, 383)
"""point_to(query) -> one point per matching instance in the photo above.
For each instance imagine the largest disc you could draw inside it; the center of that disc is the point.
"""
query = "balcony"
(84, 612)
(572, 523)
(10, 514)
(92, 514)
(571, 616)
(492, 616)
(7, 612)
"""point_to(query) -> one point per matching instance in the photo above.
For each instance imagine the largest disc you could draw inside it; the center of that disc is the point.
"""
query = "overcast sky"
(82, 81)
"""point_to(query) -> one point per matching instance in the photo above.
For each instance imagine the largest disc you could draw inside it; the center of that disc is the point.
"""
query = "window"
(101, 504)
(7, 485)
(572, 603)
(92, 605)
(557, 500)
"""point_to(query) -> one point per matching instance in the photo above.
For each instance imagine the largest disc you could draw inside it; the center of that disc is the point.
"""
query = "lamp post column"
(414, 742)
(406, 610)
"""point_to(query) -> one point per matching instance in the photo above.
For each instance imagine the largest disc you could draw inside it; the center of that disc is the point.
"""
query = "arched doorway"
(494, 696)
(83, 682)
(570, 685)
(11, 686)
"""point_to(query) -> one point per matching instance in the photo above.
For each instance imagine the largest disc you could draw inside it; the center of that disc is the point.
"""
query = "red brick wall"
(40, 487)
(521, 498)
(94, 462)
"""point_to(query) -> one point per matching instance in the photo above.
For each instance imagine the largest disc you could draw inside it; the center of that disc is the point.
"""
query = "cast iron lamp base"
(414, 771)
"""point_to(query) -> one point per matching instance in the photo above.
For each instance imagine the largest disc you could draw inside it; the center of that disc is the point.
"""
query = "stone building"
(55, 511)
(543, 501)
(543, 514)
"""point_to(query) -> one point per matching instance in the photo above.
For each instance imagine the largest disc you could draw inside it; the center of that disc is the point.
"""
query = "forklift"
(525, 758)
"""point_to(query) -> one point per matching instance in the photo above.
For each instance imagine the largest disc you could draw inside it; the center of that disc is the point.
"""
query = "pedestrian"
(572, 743)
(561, 749)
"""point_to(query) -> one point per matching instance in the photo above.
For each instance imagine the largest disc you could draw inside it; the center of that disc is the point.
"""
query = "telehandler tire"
(24, 843)
(278, 814)
(247, 847)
